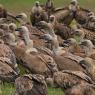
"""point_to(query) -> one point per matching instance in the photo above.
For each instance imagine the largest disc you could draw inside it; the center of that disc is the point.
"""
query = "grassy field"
(9, 89)
(17, 6)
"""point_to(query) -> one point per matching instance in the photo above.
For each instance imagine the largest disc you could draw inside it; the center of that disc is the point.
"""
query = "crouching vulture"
(38, 14)
(7, 73)
(30, 57)
(74, 83)
(8, 66)
(86, 18)
(31, 85)
(67, 14)
(7, 53)
(62, 58)
(82, 16)
(89, 65)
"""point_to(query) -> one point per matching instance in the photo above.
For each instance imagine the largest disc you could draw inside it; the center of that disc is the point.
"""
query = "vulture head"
(47, 37)
(78, 34)
(10, 39)
(91, 14)
(47, 27)
(71, 41)
(22, 16)
(4, 26)
(89, 65)
(53, 40)
(73, 5)
(42, 25)
(28, 42)
(87, 43)
(12, 27)
(86, 63)
(52, 18)
(73, 45)
(37, 3)
(92, 18)
(87, 46)
(74, 2)
(23, 29)
(24, 32)
(3, 20)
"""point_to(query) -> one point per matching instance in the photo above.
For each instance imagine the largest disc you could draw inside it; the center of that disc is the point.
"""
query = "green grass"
(55, 91)
(9, 89)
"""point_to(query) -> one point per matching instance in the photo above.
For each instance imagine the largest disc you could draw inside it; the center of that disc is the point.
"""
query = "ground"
(17, 6)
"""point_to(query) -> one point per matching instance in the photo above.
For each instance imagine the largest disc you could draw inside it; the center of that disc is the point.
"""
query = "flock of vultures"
(53, 51)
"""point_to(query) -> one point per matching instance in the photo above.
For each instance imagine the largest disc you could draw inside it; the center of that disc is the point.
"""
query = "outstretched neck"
(55, 44)
(28, 42)
(26, 38)
(50, 30)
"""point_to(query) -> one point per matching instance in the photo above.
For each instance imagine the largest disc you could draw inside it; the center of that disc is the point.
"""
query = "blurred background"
(17, 6)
